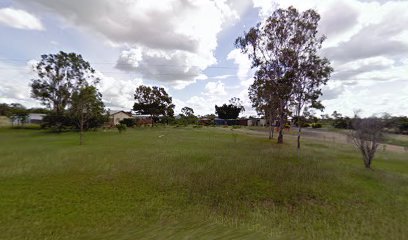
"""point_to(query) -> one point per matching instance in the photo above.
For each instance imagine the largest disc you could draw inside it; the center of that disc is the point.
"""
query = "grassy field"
(185, 183)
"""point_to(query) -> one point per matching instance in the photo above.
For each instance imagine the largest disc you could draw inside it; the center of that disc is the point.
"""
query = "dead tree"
(366, 136)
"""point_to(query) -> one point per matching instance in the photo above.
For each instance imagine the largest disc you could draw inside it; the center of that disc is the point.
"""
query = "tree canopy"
(59, 76)
(153, 101)
(66, 84)
(289, 73)
(231, 110)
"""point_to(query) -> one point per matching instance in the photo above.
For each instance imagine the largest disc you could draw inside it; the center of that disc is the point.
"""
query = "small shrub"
(316, 125)
(121, 127)
(305, 125)
(129, 122)
(236, 126)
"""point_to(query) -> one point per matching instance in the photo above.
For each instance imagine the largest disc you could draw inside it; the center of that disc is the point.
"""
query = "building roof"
(127, 113)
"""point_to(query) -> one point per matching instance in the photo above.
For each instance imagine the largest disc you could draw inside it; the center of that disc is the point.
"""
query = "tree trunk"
(298, 137)
(151, 116)
(270, 127)
(280, 137)
(281, 123)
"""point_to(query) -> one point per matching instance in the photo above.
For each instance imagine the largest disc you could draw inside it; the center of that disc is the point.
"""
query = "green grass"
(187, 183)
(397, 139)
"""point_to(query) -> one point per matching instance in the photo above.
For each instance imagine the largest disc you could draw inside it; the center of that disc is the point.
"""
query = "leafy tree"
(4, 109)
(121, 127)
(16, 112)
(86, 105)
(289, 72)
(230, 111)
(153, 101)
(187, 111)
(187, 116)
(129, 122)
(39, 110)
(59, 76)
(264, 100)
(403, 125)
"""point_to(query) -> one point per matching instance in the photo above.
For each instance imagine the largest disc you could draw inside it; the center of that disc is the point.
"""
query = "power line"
(124, 64)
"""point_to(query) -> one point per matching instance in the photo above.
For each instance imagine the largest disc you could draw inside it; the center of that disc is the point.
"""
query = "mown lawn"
(185, 183)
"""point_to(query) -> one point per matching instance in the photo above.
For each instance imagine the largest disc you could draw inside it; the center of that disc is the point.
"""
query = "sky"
(187, 47)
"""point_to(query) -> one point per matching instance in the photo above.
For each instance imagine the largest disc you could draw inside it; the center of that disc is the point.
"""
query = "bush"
(316, 125)
(305, 125)
(129, 122)
(121, 127)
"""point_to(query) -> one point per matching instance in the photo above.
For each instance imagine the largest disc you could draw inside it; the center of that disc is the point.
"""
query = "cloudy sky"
(187, 47)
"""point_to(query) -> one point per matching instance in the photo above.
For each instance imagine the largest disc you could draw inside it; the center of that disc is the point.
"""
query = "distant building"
(36, 118)
(142, 120)
(32, 118)
(116, 117)
(257, 122)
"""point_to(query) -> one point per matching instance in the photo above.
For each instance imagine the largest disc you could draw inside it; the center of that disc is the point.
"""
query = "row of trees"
(289, 72)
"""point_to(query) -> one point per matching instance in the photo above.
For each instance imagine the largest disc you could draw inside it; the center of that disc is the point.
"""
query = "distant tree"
(187, 116)
(121, 127)
(153, 101)
(86, 105)
(59, 76)
(289, 72)
(402, 125)
(17, 113)
(264, 100)
(4, 109)
(230, 111)
(39, 110)
(129, 122)
(187, 111)
(366, 136)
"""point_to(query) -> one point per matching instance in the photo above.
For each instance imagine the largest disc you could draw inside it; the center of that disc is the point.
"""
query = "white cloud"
(215, 89)
(170, 41)
(20, 19)
(118, 93)
(243, 62)
(14, 84)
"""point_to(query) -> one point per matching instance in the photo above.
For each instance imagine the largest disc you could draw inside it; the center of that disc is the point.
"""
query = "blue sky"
(187, 47)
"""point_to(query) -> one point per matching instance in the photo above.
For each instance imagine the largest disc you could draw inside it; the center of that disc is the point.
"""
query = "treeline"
(18, 113)
(391, 124)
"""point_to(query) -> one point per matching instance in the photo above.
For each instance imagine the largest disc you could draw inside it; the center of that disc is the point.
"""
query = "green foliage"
(230, 111)
(86, 107)
(121, 127)
(66, 80)
(59, 76)
(403, 125)
(18, 113)
(153, 101)
(342, 123)
(129, 122)
(289, 72)
(316, 125)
